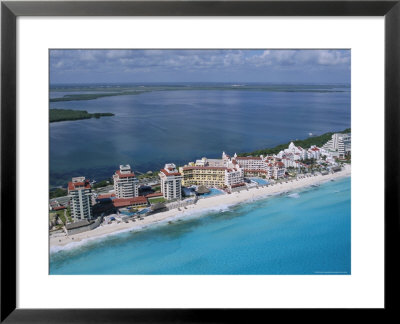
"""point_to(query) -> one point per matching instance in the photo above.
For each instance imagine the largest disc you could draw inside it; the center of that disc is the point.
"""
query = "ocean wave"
(88, 240)
(185, 214)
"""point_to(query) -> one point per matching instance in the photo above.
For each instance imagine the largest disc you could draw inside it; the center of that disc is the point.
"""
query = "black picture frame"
(10, 10)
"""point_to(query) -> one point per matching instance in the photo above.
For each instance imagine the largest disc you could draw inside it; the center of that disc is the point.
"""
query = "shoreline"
(202, 206)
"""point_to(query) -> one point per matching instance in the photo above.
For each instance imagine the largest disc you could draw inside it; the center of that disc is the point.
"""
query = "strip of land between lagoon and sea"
(200, 207)
(318, 140)
(101, 92)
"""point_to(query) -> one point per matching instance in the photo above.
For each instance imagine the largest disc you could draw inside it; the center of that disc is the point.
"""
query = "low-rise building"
(314, 152)
(261, 166)
(203, 175)
(234, 175)
(278, 170)
(223, 172)
(126, 202)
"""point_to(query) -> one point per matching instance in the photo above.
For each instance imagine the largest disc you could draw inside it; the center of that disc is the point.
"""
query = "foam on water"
(306, 235)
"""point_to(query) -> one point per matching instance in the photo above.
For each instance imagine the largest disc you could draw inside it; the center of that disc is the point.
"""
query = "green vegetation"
(92, 96)
(58, 192)
(156, 200)
(148, 175)
(156, 189)
(52, 216)
(306, 143)
(101, 184)
(69, 214)
(57, 115)
(60, 214)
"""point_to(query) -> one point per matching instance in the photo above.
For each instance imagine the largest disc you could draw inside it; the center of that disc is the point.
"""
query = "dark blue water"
(153, 128)
(305, 232)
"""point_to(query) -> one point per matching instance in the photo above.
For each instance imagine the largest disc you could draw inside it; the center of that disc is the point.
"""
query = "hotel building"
(203, 175)
(213, 172)
(269, 166)
(170, 182)
(80, 194)
(125, 183)
(340, 143)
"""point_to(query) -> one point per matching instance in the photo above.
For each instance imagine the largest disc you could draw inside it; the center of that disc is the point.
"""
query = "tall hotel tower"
(170, 182)
(80, 194)
(125, 183)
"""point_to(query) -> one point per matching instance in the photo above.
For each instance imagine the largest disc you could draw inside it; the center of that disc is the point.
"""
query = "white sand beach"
(211, 203)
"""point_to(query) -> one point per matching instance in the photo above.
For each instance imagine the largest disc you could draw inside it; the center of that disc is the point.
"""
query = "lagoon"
(153, 128)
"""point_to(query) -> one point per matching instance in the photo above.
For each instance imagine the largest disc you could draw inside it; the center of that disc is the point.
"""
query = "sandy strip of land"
(212, 203)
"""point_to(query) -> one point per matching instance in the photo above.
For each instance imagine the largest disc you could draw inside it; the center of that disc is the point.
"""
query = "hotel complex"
(223, 173)
(340, 143)
(227, 174)
(80, 198)
(125, 183)
(170, 182)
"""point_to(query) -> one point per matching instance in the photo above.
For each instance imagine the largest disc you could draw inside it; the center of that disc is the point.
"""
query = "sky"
(159, 66)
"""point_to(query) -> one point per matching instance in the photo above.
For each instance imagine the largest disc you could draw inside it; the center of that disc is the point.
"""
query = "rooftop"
(125, 174)
(79, 185)
(203, 168)
(248, 158)
(124, 202)
(170, 172)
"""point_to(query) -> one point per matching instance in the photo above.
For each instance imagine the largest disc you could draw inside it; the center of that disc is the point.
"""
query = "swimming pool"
(213, 192)
(127, 213)
(260, 181)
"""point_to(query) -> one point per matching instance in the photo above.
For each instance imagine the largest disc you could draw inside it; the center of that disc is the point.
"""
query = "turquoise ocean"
(305, 232)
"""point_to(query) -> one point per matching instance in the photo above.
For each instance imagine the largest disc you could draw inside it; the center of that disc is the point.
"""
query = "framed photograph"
(195, 160)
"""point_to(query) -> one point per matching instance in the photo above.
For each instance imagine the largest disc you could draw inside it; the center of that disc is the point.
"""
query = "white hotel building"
(270, 166)
(125, 183)
(340, 143)
(80, 194)
(171, 180)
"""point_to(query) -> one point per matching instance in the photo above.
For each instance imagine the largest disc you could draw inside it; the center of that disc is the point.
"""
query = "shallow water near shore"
(301, 232)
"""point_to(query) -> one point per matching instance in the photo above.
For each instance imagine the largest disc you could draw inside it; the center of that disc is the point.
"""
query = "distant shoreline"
(59, 115)
(127, 90)
(58, 242)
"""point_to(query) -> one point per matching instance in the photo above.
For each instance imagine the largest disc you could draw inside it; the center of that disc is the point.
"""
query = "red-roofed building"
(279, 170)
(171, 180)
(125, 202)
(105, 196)
(61, 207)
(125, 183)
(80, 196)
(314, 152)
(155, 194)
(251, 162)
(238, 185)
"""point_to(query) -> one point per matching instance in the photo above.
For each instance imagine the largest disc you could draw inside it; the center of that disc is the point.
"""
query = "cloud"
(157, 62)
(300, 58)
